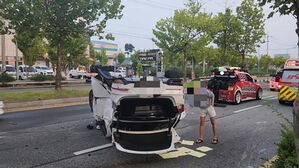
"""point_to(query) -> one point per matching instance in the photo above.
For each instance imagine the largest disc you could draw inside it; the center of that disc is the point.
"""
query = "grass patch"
(42, 95)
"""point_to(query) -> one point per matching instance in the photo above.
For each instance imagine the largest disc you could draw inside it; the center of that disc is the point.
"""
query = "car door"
(251, 86)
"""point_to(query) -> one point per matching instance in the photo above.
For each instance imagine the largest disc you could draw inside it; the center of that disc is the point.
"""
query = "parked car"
(118, 74)
(44, 70)
(24, 69)
(77, 73)
(10, 70)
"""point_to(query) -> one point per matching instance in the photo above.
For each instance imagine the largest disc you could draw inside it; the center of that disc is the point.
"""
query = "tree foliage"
(121, 58)
(57, 20)
(129, 47)
(32, 47)
(139, 69)
(188, 27)
(252, 20)
(265, 61)
(228, 35)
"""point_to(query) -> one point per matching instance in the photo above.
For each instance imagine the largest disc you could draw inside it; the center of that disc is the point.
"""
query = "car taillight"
(231, 88)
(180, 108)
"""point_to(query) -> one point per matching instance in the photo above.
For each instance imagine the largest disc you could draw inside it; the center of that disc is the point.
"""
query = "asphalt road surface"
(50, 137)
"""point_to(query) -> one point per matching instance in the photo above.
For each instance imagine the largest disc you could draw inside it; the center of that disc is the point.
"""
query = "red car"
(234, 86)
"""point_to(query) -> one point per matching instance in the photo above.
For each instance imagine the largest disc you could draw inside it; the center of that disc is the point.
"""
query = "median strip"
(249, 108)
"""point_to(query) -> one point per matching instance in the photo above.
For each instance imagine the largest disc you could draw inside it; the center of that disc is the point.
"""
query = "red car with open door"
(234, 85)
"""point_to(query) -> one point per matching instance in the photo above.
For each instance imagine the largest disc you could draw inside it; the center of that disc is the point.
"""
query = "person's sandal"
(198, 141)
(215, 141)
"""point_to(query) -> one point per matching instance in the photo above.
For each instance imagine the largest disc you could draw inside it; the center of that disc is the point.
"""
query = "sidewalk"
(44, 104)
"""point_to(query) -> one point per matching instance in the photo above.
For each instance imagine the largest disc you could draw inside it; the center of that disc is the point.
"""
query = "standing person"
(206, 105)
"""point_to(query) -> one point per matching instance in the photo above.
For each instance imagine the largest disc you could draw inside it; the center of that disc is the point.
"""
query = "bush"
(40, 77)
(5, 78)
(287, 157)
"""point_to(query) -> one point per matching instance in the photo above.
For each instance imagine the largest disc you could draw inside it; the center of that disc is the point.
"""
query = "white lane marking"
(249, 108)
(93, 149)
(269, 97)
(274, 98)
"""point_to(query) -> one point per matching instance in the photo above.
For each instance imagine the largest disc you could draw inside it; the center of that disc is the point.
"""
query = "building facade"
(110, 48)
(10, 51)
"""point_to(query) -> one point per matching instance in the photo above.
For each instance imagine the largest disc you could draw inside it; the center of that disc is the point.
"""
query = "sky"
(140, 17)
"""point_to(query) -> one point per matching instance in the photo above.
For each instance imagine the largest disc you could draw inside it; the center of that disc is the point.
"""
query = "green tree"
(134, 57)
(228, 34)
(129, 47)
(31, 47)
(253, 61)
(265, 61)
(285, 7)
(278, 61)
(103, 57)
(121, 58)
(139, 69)
(57, 20)
(176, 35)
(252, 20)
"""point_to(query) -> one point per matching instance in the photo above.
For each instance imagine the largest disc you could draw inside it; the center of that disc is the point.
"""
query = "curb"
(44, 104)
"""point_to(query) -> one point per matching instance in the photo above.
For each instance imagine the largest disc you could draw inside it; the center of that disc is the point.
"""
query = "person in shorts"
(206, 106)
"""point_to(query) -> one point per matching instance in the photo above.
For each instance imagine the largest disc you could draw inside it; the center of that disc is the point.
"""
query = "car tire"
(281, 102)
(71, 76)
(20, 78)
(259, 94)
(238, 97)
(90, 97)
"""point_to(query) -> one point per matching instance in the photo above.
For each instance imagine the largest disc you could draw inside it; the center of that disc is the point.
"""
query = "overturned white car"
(140, 116)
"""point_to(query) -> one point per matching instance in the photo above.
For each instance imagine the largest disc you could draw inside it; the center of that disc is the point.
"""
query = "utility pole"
(3, 53)
(267, 44)
(17, 61)
(258, 58)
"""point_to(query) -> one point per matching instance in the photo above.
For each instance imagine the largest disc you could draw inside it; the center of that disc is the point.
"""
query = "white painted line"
(249, 108)
(269, 97)
(93, 149)
(274, 98)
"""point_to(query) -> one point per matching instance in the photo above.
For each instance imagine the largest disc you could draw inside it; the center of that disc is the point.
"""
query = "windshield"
(10, 69)
(29, 69)
(290, 76)
(44, 68)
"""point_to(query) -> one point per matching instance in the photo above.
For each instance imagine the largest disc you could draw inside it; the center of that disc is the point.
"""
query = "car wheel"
(91, 100)
(79, 77)
(20, 78)
(238, 98)
(71, 76)
(259, 94)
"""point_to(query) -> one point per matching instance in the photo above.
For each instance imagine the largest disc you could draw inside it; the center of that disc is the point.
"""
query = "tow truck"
(289, 82)
(231, 84)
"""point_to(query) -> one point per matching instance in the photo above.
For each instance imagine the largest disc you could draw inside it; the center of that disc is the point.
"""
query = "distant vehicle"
(274, 81)
(44, 70)
(24, 69)
(79, 72)
(118, 74)
(10, 70)
(289, 81)
(234, 85)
